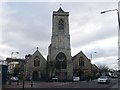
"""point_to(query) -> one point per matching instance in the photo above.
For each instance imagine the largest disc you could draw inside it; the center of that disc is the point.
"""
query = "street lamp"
(117, 15)
(118, 30)
(91, 55)
(13, 53)
(11, 60)
(10, 66)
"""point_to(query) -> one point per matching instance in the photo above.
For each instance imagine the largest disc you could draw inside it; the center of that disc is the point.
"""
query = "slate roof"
(60, 10)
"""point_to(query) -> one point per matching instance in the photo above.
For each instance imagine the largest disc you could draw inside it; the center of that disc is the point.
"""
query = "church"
(59, 63)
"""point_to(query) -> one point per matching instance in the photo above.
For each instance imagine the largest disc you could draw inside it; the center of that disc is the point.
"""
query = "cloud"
(111, 62)
(28, 25)
(21, 31)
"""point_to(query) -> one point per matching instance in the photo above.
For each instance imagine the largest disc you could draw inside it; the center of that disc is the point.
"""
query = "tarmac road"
(80, 84)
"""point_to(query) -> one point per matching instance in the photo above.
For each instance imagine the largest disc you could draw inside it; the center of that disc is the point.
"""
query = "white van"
(76, 79)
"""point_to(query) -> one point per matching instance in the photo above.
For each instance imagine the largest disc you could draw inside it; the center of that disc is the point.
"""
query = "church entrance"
(35, 76)
(63, 76)
(61, 66)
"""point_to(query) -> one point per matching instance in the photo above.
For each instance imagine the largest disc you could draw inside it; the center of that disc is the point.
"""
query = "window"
(81, 61)
(61, 25)
(61, 62)
(36, 61)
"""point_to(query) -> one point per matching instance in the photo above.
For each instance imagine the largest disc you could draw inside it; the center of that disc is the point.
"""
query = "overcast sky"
(27, 25)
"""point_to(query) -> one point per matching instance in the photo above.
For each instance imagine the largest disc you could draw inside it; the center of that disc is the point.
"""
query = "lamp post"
(13, 53)
(10, 67)
(118, 15)
(11, 60)
(91, 56)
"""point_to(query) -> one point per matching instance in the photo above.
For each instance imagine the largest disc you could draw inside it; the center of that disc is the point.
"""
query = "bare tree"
(103, 69)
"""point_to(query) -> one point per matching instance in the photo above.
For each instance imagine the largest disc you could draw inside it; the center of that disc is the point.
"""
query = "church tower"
(59, 54)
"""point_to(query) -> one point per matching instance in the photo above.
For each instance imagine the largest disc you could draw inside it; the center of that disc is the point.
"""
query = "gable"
(80, 60)
(38, 54)
(94, 67)
(80, 54)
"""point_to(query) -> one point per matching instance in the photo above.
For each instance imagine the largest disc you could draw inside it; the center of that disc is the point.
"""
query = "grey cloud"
(105, 52)
(30, 25)
(94, 36)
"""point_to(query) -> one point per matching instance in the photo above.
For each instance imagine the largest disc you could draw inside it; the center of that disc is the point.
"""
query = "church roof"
(78, 54)
(38, 54)
(60, 10)
(94, 65)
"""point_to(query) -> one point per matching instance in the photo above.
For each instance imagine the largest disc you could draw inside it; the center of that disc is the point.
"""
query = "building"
(15, 62)
(59, 50)
(3, 62)
(36, 66)
(81, 65)
(59, 63)
(95, 71)
(3, 73)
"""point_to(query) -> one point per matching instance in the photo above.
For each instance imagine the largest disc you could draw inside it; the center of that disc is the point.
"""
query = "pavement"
(81, 84)
(36, 84)
(115, 86)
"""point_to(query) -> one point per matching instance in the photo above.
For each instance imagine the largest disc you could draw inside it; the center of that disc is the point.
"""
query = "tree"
(103, 70)
(28, 56)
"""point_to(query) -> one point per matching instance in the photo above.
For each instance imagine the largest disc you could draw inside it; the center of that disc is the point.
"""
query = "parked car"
(76, 79)
(14, 79)
(54, 78)
(103, 79)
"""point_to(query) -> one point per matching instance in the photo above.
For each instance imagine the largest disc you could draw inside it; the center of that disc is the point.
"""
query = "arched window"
(61, 25)
(61, 62)
(81, 61)
(36, 61)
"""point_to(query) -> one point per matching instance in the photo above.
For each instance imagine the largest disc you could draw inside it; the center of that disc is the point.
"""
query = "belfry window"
(81, 61)
(36, 61)
(61, 25)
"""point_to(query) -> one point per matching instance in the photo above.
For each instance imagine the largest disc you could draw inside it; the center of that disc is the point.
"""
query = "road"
(81, 84)
(91, 84)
